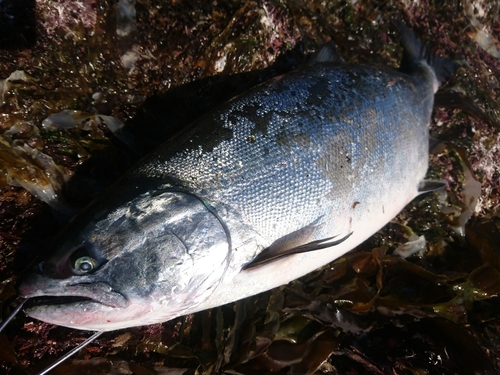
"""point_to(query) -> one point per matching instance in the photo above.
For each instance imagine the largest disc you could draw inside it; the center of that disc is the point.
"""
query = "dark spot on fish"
(301, 139)
(251, 138)
(282, 140)
(261, 123)
(214, 133)
(319, 89)
(354, 204)
(218, 135)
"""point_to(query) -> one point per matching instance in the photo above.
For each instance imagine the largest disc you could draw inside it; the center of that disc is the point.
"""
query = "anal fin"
(427, 186)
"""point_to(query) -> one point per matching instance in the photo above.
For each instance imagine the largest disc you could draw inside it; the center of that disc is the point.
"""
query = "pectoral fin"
(279, 249)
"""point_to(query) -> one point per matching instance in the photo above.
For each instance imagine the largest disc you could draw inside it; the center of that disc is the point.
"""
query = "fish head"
(146, 261)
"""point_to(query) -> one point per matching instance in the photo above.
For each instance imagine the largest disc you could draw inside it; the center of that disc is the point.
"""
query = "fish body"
(268, 187)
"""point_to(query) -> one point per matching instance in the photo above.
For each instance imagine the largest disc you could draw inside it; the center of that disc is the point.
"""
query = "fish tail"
(414, 51)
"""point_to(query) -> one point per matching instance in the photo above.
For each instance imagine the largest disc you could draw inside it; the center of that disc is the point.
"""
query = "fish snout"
(27, 286)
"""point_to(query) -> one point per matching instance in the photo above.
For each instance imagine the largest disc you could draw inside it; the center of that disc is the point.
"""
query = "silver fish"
(270, 186)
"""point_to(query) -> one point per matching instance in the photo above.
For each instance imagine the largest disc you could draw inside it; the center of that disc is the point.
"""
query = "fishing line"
(12, 315)
(71, 352)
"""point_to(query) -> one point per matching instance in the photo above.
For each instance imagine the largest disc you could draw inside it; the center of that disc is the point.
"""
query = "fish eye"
(85, 264)
(82, 262)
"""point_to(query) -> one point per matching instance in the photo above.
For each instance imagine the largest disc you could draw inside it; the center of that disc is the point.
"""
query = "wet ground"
(156, 66)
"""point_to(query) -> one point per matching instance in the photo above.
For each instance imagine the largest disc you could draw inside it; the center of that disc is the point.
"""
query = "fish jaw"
(86, 306)
(89, 315)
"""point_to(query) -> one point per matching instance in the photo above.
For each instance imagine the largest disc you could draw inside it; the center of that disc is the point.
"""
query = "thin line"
(12, 315)
(72, 352)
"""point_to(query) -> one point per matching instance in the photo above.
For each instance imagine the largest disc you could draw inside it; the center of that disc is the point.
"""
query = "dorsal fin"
(327, 53)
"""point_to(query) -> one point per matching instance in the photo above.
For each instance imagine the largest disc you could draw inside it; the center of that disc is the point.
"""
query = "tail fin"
(414, 50)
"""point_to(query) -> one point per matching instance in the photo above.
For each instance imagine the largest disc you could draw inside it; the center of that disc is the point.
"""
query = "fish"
(266, 188)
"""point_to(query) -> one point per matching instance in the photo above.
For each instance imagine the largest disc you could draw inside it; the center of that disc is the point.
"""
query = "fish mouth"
(78, 312)
(72, 311)
(51, 294)
(97, 292)
(55, 301)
